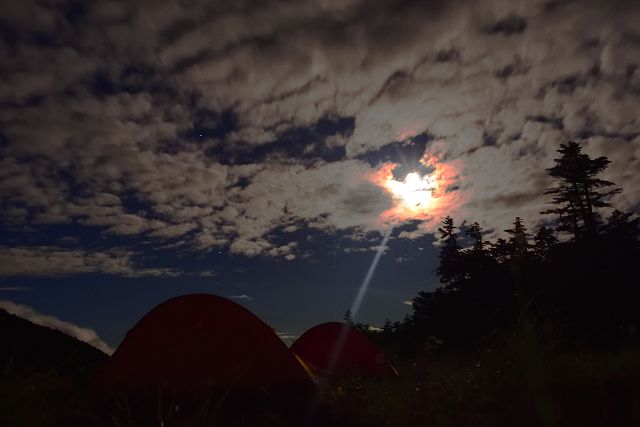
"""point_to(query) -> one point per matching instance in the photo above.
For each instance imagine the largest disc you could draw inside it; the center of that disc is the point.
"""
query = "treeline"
(573, 282)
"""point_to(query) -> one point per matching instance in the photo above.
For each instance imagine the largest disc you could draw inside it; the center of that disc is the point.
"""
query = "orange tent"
(203, 340)
(336, 349)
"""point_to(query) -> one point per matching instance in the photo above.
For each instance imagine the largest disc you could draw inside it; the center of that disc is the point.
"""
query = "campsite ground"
(434, 388)
(499, 389)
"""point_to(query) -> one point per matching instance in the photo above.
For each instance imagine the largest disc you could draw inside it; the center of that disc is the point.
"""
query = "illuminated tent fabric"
(317, 348)
(203, 340)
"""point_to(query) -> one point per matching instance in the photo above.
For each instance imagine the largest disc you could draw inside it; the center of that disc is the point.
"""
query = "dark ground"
(46, 381)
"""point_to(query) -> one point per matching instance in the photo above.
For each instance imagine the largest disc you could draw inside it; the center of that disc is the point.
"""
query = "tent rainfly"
(336, 349)
(203, 340)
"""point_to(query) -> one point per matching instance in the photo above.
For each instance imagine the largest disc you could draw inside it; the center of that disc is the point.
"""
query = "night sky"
(260, 150)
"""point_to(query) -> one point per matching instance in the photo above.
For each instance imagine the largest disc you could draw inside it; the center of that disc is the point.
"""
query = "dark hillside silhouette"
(24, 344)
(42, 372)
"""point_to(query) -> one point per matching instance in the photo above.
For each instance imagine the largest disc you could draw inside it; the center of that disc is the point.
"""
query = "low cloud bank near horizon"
(85, 335)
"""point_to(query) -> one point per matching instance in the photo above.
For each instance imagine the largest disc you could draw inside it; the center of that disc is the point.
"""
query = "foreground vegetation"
(528, 382)
(499, 388)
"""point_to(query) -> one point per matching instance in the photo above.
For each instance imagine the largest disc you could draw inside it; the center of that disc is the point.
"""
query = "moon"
(415, 192)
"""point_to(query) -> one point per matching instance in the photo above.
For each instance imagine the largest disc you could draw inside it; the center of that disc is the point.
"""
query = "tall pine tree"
(579, 193)
(475, 232)
(449, 253)
(518, 240)
(543, 241)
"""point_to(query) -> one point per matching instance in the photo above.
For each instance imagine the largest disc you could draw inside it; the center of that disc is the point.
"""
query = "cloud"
(168, 122)
(86, 335)
(14, 289)
(287, 337)
(207, 273)
(243, 297)
(53, 261)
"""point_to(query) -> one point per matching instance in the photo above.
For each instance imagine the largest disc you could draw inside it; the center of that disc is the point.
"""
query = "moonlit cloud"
(180, 123)
(52, 261)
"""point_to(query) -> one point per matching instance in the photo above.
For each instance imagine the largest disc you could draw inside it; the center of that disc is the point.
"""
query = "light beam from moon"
(357, 302)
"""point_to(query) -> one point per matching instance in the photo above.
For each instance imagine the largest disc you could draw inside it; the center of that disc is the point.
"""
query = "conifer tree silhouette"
(348, 318)
(449, 253)
(518, 241)
(579, 193)
(475, 232)
(544, 240)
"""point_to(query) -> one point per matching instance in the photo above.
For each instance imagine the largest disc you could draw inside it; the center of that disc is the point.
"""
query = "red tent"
(203, 340)
(319, 349)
